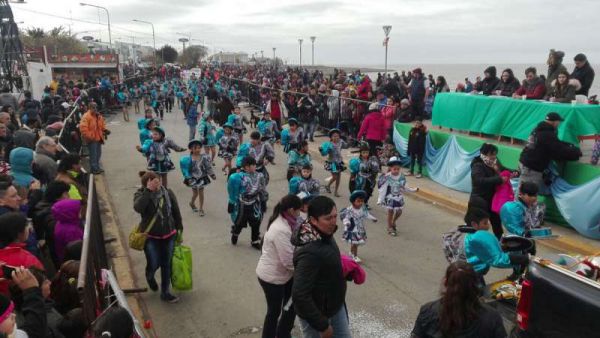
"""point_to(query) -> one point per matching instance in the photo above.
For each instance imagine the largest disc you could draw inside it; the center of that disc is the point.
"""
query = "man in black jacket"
(542, 147)
(584, 73)
(490, 81)
(319, 289)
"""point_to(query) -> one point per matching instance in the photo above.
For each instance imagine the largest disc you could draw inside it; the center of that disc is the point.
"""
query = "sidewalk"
(568, 240)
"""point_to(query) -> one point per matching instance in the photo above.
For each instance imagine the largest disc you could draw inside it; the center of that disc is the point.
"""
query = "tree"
(168, 54)
(56, 40)
(193, 54)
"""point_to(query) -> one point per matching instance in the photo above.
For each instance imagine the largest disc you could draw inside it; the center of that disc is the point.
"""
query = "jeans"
(95, 149)
(277, 299)
(309, 130)
(339, 322)
(192, 132)
(159, 254)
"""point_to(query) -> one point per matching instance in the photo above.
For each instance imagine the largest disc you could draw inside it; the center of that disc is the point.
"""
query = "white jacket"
(276, 264)
(282, 107)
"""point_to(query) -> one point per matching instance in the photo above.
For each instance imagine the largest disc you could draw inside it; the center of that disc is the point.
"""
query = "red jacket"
(15, 254)
(373, 127)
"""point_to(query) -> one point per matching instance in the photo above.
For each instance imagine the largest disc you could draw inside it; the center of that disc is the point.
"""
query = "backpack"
(454, 245)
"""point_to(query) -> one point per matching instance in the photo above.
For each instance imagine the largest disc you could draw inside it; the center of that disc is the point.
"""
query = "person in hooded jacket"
(21, 164)
(68, 225)
(562, 91)
(485, 178)
(489, 82)
(542, 147)
(508, 84)
(555, 66)
(584, 73)
(319, 289)
(373, 129)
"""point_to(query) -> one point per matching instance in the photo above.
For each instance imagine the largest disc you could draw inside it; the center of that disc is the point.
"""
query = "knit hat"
(6, 307)
(358, 194)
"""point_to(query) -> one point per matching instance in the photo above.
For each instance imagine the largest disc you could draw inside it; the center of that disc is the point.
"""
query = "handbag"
(137, 238)
(181, 268)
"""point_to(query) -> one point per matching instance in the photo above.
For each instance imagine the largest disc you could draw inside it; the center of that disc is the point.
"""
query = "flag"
(385, 41)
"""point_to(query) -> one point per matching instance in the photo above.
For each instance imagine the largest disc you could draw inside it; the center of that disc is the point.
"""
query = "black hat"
(552, 117)
(292, 121)
(193, 143)
(358, 194)
(334, 131)
(364, 146)
(159, 130)
(580, 57)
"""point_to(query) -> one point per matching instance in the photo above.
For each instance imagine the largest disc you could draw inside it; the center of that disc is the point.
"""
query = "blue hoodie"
(21, 160)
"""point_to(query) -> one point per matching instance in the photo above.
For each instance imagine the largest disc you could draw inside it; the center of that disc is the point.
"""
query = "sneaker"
(201, 213)
(169, 298)
(357, 259)
(152, 284)
(419, 176)
(256, 244)
(234, 238)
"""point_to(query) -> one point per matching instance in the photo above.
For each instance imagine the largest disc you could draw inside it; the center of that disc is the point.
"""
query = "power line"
(93, 23)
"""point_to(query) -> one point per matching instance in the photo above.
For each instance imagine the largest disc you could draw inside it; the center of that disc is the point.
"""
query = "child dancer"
(228, 144)
(353, 218)
(334, 163)
(363, 172)
(305, 182)
(237, 121)
(157, 151)
(247, 200)
(298, 158)
(261, 151)
(196, 169)
(391, 188)
(292, 136)
(123, 101)
(206, 135)
(268, 128)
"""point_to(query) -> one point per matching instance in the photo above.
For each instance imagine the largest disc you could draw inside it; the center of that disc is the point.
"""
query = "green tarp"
(498, 115)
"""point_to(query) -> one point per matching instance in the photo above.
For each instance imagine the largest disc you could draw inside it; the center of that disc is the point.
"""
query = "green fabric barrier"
(498, 115)
(575, 173)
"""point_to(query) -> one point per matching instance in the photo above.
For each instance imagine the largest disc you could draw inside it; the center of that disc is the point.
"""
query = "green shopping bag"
(181, 271)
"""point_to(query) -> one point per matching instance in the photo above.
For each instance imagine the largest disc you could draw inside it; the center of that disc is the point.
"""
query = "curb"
(118, 252)
(564, 243)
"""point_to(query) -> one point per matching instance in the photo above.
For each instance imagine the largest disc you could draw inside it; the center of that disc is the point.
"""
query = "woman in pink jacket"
(373, 129)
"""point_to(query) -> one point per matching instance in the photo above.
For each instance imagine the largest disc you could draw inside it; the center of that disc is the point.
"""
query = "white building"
(230, 57)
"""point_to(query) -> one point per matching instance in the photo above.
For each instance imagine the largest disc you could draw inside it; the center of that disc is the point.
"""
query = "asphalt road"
(402, 272)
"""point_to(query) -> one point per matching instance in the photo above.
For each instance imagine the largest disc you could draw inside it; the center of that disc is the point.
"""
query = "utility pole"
(386, 30)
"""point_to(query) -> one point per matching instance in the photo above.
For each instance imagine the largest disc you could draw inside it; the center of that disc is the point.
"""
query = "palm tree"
(35, 33)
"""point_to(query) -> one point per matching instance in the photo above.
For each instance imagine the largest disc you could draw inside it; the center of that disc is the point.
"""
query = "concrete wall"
(40, 75)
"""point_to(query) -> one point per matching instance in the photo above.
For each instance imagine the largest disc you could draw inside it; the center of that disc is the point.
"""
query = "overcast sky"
(348, 32)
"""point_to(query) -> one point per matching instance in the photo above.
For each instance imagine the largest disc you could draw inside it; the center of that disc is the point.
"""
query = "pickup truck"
(554, 303)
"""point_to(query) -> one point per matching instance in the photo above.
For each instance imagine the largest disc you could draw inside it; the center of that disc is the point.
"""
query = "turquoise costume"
(391, 189)
(290, 140)
(196, 173)
(228, 144)
(206, 133)
(364, 173)
(261, 152)
(483, 251)
(247, 201)
(268, 130)
(300, 184)
(333, 151)
(157, 153)
(518, 219)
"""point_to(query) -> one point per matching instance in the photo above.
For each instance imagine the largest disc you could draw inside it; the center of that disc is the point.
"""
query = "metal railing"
(97, 286)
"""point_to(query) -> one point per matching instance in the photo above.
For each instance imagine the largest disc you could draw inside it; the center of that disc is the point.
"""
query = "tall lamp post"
(300, 42)
(107, 17)
(274, 59)
(312, 40)
(386, 30)
(153, 37)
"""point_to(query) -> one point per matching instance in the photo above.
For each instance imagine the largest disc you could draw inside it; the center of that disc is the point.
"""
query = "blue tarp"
(450, 166)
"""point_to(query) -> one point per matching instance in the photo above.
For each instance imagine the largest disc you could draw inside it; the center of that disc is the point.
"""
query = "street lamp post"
(274, 60)
(153, 37)
(312, 40)
(107, 17)
(386, 30)
(300, 42)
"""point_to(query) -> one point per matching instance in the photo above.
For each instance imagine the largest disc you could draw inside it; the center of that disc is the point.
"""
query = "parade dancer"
(334, 163)
(157, 151)
(363, 172)
(305, 182)
(146, 133)
(247, 200)
(298, 158)
(262, 152)
(228, 144)
(268, 129)
(291, 136)
(206, 135)
(196, 169)
(391, 188)
(353, 218)
(123, 100)
(237, 121)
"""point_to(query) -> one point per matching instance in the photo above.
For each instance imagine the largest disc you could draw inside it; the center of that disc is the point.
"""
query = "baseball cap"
(554, 117)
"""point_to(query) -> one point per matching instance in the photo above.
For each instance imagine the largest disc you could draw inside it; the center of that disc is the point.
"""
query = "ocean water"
(455, 73)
